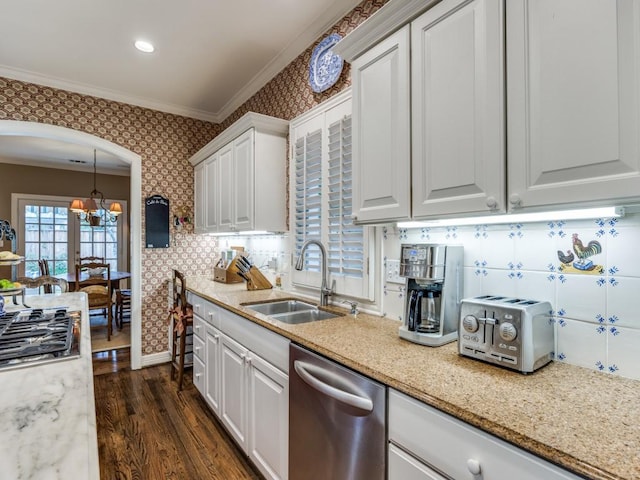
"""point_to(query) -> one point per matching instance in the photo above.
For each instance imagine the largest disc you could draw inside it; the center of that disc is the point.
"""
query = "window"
(47, 229)
(322, 200)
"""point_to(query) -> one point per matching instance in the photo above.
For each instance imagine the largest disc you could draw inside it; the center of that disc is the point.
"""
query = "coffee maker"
(434, 283)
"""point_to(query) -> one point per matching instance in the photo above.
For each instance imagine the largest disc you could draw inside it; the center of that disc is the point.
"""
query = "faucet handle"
(353, 305)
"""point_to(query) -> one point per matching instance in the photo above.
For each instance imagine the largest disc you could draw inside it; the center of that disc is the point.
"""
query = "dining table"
(116, 277)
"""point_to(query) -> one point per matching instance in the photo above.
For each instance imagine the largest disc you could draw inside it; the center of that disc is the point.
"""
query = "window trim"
(74, 226)
(306, 280)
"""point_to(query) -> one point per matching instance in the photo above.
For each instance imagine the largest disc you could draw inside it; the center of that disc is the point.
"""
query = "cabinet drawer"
(198, 374)
(198, 348)
(206, 310)
(403, 466)
(269, 345)
(199, 328)
(453, 447)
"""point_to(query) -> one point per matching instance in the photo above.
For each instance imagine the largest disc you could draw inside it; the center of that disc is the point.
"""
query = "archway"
(41, 130)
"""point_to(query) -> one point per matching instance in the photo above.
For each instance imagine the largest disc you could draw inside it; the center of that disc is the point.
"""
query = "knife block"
(256, 280)
(227, 275)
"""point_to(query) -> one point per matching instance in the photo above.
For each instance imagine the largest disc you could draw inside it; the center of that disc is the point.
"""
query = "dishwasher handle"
(357, 401)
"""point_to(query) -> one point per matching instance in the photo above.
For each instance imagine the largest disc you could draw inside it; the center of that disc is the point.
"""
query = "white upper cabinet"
(211, 194)
(571, 135)
(381, 139)
(224, 188)
(245, 177)
(243, 181)
(199, 199)
(457, 101)
(573, 92)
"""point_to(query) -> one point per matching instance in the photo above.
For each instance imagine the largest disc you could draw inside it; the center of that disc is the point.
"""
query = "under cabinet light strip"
(605, 212)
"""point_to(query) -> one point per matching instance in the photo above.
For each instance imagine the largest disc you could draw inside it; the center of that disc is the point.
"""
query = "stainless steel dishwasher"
(336, 421)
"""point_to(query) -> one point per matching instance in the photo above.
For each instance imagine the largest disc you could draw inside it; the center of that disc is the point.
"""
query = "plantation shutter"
(346, 250)
(308, 200)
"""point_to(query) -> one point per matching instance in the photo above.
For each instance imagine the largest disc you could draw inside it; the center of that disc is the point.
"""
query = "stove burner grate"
(36, 334)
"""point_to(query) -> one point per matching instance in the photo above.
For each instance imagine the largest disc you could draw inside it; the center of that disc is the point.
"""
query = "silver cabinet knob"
(492, 203)
(515, 200)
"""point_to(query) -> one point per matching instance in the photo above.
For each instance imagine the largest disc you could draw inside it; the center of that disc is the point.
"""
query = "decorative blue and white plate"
(325, 66)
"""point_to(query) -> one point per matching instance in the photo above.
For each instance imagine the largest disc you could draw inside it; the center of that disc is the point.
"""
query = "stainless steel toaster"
(510, 332)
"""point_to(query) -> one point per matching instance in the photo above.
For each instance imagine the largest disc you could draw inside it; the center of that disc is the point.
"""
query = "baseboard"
(156, 359)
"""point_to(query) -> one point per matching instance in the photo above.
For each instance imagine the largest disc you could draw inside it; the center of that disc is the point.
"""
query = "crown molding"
(381, 24)
(306, 39)
(84, 89)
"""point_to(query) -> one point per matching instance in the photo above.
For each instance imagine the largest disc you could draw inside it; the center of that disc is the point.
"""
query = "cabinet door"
(573, 110)
(212, 365)
(212, 197)
(199, 198)
(268, 418)
(243, 173)
(403, 466)
(234, 389)
(457, 88)
(226, 188)
(381, 136)
(199, 375)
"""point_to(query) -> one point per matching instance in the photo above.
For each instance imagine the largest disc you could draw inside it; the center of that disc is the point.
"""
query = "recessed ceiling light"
(143, 46)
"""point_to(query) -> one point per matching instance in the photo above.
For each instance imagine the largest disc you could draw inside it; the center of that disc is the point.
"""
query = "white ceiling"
(211, 55)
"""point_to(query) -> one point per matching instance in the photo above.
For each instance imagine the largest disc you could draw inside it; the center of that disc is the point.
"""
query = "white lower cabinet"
(212, 345)
(268, 417)
(234, 390)
(438, 442)
(241, 370)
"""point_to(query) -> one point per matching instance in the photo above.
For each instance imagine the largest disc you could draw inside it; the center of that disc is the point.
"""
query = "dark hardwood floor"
(149, 431)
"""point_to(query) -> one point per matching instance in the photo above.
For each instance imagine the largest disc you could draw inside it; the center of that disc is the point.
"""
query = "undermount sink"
(291, 311)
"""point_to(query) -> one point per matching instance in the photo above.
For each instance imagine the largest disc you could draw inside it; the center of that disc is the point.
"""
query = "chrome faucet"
(325, 292)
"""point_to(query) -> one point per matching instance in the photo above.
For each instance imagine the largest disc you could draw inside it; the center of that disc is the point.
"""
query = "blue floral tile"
(580, 343)
(622, 306)
(624, 354)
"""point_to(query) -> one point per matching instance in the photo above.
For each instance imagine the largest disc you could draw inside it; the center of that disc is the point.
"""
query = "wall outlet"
(393, 272)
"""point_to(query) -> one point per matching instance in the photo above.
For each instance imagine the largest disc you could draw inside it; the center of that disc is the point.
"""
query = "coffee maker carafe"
(434, 282)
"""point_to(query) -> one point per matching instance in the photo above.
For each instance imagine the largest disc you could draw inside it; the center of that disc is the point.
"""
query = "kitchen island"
(47, 411)
(585, 421)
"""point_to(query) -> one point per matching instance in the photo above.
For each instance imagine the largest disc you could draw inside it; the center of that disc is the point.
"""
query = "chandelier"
(93, 209)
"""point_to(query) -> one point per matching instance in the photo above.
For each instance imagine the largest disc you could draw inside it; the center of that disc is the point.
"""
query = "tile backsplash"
(594, 298)
(589, 270)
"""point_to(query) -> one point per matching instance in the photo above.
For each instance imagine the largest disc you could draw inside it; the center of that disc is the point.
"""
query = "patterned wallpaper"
(166, 142)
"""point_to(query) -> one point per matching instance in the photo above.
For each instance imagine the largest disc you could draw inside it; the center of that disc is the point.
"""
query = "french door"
(46, 229)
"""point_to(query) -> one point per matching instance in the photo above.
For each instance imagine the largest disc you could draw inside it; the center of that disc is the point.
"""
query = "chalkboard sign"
(156, 213)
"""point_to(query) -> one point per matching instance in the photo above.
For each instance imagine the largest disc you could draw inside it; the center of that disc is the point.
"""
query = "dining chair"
(44, 281)
(43, 265)
(97, 288)
(122, 305)
(182, 316)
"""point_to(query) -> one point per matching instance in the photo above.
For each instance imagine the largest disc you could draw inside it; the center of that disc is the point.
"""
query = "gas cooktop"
(35, 336)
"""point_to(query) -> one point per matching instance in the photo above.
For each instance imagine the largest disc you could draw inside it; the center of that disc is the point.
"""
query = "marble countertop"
(580, 419)
(47, 411)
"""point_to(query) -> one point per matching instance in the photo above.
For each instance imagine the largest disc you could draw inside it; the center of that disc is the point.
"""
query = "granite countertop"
(580, 419)
(47, 411)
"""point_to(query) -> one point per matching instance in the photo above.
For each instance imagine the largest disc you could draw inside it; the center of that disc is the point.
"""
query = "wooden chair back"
(83, 260)
(182, 315)
(98, 288)
(44, 281)
(43, 265)
(179, 291)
